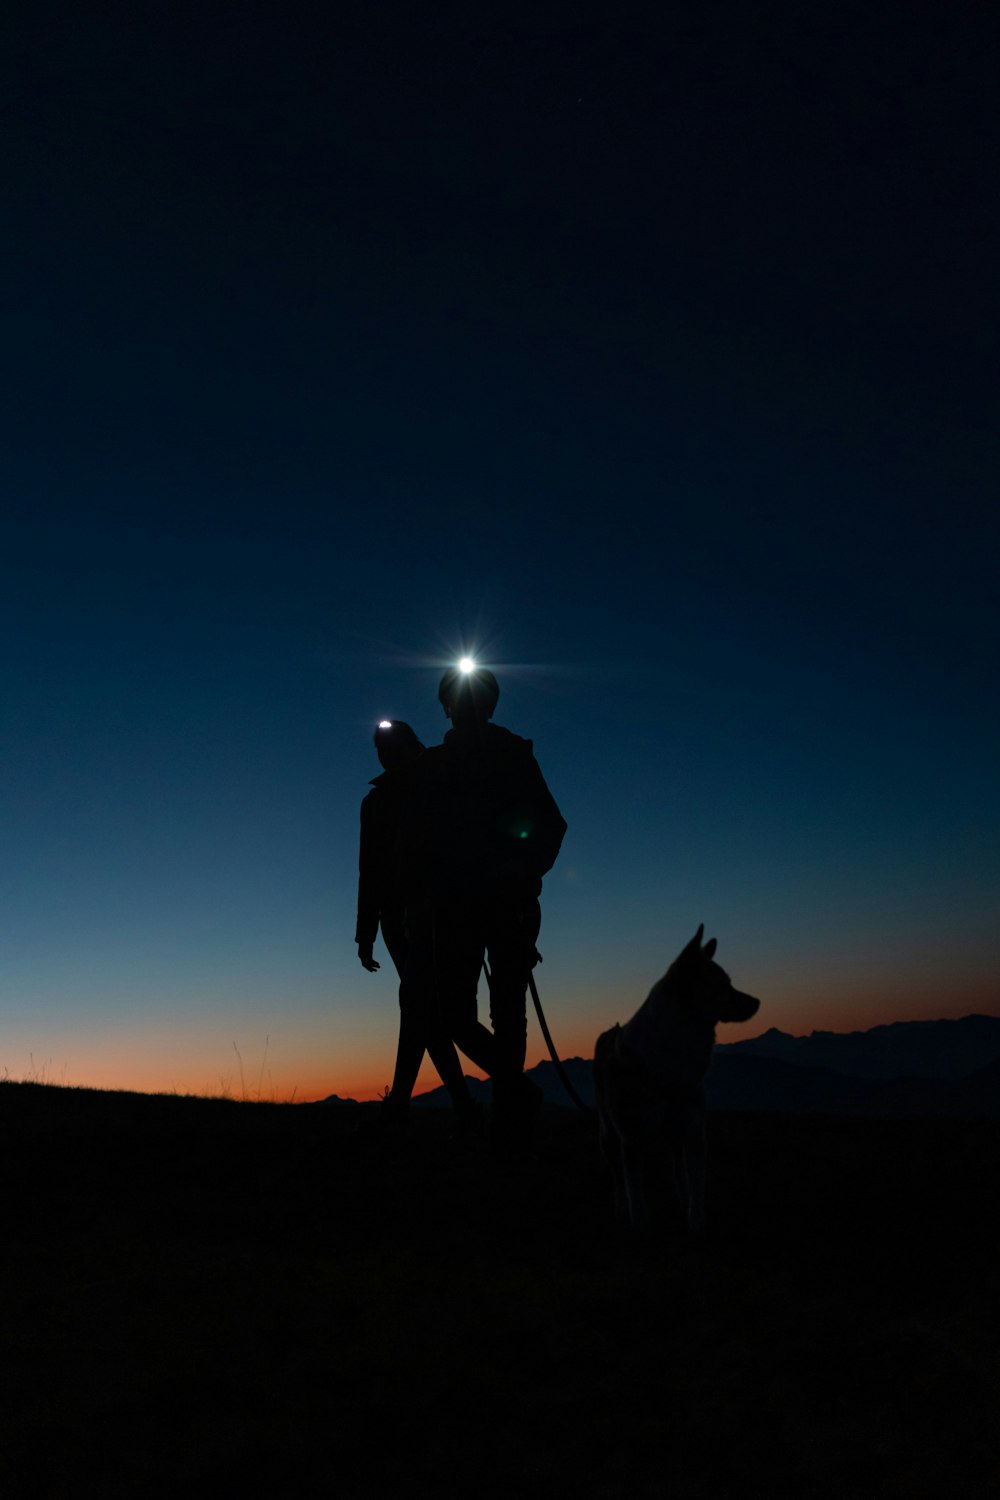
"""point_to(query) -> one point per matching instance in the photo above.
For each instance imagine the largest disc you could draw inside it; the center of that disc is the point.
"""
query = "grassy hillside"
(207, 1294)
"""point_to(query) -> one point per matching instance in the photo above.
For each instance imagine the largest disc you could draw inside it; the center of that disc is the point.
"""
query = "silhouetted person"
(479, 834)
(380, 904)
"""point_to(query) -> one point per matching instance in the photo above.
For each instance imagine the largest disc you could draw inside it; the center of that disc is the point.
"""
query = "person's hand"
(367, 961)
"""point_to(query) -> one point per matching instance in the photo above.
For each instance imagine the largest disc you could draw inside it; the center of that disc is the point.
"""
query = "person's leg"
(476, 1041)
(461, 1000)
(420, 1003)
(511, 941)
(410, 1046)
(459, 947)
(410, 1050)
(446, 1061)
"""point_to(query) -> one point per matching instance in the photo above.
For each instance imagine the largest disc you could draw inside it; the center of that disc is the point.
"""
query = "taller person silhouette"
(478, 835)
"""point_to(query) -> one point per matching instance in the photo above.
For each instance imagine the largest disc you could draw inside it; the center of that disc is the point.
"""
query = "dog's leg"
(693, 1162)
(634, 1171)
(611, 1150)
(608, 1138)
(612, 1091)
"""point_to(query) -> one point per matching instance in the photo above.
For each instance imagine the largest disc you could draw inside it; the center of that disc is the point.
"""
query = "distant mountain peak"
(945, 1049)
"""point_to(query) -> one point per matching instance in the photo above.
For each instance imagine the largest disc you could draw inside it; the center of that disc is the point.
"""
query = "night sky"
(647, 352)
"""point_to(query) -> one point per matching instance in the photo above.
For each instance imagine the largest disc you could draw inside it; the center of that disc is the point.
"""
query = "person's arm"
(550, 825)
(534, 826)
(369, 887)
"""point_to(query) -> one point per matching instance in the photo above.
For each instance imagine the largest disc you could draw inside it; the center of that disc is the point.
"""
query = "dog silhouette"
(648, 1079)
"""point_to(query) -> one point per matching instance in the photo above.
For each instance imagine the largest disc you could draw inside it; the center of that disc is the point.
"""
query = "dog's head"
(703, 984)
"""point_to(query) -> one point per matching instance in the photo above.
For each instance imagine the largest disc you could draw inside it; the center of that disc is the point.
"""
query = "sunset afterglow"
(329, 372)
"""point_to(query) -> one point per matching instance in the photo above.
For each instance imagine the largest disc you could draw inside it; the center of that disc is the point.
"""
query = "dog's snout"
(740, 1007)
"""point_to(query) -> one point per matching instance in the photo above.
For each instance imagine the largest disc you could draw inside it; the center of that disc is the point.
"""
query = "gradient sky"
(649, 352)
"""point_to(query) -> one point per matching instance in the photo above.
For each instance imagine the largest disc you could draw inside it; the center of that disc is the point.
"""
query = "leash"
(563, 1076)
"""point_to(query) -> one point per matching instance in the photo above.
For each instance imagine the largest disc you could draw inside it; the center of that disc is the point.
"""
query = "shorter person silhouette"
(380, 905)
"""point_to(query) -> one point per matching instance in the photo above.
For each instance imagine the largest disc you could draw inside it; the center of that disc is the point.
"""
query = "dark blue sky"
(648, 351)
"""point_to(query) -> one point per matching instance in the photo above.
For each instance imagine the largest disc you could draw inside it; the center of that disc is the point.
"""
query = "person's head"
(395, 743)
(468, 696)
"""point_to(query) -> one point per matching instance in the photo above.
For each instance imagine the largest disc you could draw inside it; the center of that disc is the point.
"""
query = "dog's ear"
(709, 949)
(694, 946)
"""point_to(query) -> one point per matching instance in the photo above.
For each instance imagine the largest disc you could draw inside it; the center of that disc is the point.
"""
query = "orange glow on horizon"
(307, 1084)
(311, 1064)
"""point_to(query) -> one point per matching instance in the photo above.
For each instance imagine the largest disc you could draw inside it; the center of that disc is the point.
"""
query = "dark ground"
(203, 1294)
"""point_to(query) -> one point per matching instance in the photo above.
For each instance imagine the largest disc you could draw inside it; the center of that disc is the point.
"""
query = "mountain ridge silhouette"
(906, 1067)
(951, 1048)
